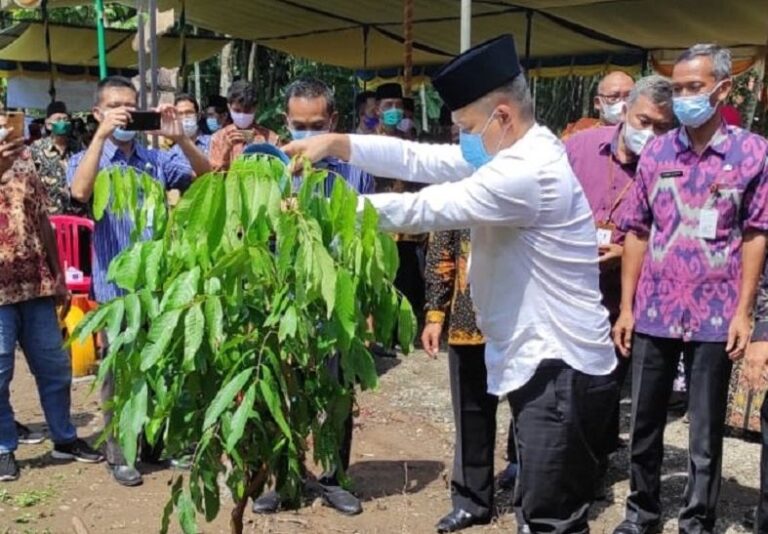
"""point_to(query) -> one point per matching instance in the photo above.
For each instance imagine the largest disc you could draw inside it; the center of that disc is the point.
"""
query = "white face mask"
(611, 113)
(406, 125)
(3, 133)
(189, 125)
(242, 120)
(636, 139)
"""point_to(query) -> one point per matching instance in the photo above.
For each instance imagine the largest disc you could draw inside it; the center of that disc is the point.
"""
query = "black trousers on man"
(474, 414)
(762, 508)
(331, 477)
(654, 367)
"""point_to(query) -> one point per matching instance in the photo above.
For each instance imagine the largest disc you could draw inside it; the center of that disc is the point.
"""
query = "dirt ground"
(401, 459)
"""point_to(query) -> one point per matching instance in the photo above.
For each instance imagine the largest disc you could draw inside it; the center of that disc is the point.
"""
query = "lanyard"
(617, 200)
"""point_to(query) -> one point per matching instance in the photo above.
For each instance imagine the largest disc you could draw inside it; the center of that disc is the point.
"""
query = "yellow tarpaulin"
(22, 48)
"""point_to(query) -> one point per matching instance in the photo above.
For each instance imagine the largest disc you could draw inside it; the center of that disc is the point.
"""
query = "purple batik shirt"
(689, 284)
(606, 183)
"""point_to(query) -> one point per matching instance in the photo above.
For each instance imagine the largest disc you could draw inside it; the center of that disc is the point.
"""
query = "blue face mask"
(392, 117)
(473, 148)
(213, 124)
(298, 135)
(123, 135)
(693, 111)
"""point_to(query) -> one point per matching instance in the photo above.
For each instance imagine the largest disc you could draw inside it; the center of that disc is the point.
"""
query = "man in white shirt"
(533, 269)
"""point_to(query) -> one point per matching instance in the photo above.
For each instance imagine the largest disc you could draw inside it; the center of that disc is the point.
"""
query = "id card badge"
(605, 234)
(708, 223)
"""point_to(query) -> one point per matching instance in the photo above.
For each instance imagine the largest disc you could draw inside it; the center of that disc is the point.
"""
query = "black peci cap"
(56, 107)
(478, 71)
(389, 90)
(217, 101)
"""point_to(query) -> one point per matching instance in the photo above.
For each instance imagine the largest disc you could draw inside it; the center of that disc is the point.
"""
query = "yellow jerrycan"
(83, 354)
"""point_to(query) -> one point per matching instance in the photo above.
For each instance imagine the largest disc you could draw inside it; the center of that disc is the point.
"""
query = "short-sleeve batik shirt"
(695, 210)
(24, 270)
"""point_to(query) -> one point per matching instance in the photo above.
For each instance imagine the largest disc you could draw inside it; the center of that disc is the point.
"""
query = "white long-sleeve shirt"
(533, 271)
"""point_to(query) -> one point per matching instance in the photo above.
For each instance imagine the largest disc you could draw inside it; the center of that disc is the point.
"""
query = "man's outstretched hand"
(318, 148)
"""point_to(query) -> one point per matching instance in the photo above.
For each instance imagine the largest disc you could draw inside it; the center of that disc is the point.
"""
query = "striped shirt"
(357, 178)
(112, 234)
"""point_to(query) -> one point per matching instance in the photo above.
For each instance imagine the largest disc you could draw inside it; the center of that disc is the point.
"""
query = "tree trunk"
(226, 68)
(252, 63)
(253, 483)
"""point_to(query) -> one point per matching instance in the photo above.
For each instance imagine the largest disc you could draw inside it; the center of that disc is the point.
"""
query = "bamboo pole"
(408, 38)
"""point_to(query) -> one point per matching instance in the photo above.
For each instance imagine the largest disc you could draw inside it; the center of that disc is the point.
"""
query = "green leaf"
(151, 259)
(132, 418)
(115, 319)
(194, 328)
(91, 323)
(288, 324)
(358, 365)
(214, 319)
(101, 191)
(160, 335)
(224, 397)
(327, 269)
(181, 291)
(168, 509)
(125, 268)
(344, 309)
(149, 303)
(406, 325)
(267, 386)
(187, 513)
(132, 317)
(240, 418)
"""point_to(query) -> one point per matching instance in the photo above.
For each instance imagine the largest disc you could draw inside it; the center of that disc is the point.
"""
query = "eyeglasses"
(614, 98)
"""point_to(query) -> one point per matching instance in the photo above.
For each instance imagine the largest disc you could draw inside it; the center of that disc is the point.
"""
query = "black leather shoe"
(508, 477)
(629, 527)
(268, 503)
(341, 500)
(459, 519)
(125, 475)
(749, 521)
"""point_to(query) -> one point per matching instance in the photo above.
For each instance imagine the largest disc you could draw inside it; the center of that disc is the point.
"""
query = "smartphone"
(15, 121)
(247, 135)
(144, 121)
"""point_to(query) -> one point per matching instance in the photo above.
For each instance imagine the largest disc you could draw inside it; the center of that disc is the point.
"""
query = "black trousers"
(762, 508)
(410, 275)
(654, 367)
(474, 414)
(331, 477)
(560, 418)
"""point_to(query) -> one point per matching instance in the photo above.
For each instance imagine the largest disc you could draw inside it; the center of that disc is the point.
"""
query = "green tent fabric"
(368, 33)
(76, 46)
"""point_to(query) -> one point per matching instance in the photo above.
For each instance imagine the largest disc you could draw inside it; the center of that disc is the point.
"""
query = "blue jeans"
(33, 324)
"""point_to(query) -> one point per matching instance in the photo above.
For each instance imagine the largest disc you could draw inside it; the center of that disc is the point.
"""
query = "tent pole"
(47, 30)
(101, 38)
(153, 49)
(466, 24)
(140, 19)
(528, 28)
(408, 42)
(366, 31)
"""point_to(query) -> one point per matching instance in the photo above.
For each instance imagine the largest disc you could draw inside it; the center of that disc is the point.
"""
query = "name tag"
(671, 174)
(605, 234)
(708, 224)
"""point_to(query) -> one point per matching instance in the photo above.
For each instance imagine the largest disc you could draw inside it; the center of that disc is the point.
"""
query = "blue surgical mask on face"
(213, 124)
(473, 148)
(392, 117)
(693, 111)
(123, 135)
(298, 135)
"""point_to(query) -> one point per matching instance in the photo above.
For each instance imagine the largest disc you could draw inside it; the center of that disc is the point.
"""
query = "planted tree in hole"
(234, 303)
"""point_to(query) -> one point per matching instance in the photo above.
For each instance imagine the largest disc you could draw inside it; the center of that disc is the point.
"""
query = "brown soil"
(401, 461)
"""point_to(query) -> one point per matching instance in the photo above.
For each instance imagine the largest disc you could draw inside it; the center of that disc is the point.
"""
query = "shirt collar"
(111, 151)
(610, 143)
(719, 142)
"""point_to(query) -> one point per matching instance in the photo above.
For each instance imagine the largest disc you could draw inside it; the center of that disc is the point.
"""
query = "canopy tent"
(368, 34)
(74, 53)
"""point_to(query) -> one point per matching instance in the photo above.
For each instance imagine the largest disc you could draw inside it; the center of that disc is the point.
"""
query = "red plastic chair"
(67, 229)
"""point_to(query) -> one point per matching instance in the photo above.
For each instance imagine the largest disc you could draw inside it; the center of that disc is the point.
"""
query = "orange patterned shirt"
(222, 155)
